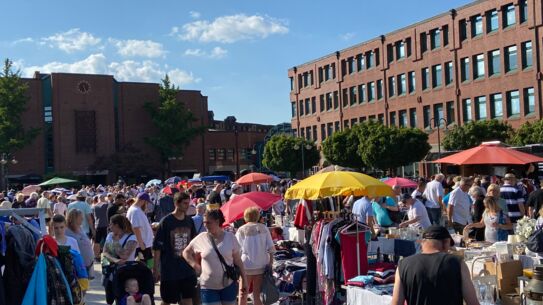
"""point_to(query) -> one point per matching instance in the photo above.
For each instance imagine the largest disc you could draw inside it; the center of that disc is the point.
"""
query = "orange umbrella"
(234, 209)
(253, 178)
(490, 153)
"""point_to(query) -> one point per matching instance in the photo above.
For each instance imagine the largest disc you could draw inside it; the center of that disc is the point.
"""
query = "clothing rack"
(19, 214)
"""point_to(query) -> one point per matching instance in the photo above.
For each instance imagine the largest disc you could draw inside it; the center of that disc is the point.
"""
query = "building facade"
(478, 62)
(84, 117)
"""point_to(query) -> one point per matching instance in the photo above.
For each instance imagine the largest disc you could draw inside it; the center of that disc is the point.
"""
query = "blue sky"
(236, 52)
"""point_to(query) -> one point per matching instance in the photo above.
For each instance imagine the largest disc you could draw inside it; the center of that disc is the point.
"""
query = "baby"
(133, 295)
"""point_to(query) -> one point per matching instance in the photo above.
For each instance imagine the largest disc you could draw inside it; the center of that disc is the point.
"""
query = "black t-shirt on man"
(430, 279)
(172, 237)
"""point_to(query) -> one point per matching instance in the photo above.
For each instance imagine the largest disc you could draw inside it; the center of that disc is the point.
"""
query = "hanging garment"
(348, 254)
(19, 262)
(58, 289)
(304, 214)
(36, 292)
(65, 260)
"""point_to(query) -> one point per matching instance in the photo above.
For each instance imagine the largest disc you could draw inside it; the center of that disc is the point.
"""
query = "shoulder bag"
(232, 272)
(269, 292)
(535, 241)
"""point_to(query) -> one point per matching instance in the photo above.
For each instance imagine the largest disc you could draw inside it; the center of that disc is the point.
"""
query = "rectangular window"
(352, 95)
(400, 50)
(333, 68)
(379, 89)
(476, 26)
(230, 152)
(466, 109)
(510, 58)
(412, 82)
(463, 25)
(494, 62)
(360, 62)
(329, 101)
(380, 118)
(480, 108)
(527, 54)
(393, 118)
(323, 132)
(509, 17)
(435, 39)
(321, 101)
(220, 154)
(293, 109)
(403, 118)
(436, 76)
(438, 114)
(445, 31)
(523, 7)
(337, 127)
(391, 86)
(301, 107)
(362, 93)
(313, 105)
(354, 121)
(345, 97)
(307, 105)
(345, 124)
(426, 113)
(450, 112)
(390, 53)
(402, 86)
(321, 77)
(413, 117)
(327, 74)
(336, 100)
(352, 65)
(449, 73)
(529, 101)
(371, 91)
(464, 69)
(308, 133)
(362, 119)
(425, 78)
(496, 106)
(479, 67)
(306, 79)
(369, 59)
(212, 154)
(315, 133)
(291, 83)
(329, 129)
(423, 43)
(492, 21)
(513, 103)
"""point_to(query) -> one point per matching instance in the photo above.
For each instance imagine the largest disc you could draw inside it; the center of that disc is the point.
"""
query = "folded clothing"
(361, 280)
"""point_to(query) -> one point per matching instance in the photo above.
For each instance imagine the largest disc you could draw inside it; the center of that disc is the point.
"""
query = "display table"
(361, 296)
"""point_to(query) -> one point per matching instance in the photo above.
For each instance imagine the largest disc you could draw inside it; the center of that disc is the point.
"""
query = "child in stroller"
(132, 280)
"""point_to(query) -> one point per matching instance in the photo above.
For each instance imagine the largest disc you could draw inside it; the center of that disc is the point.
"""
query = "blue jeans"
(216, 296)
(435, 215)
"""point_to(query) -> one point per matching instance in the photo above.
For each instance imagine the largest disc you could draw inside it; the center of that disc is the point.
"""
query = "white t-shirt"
(59, 208)
(433, 191)
(70, 241)
(138, 219)
(212, 276)
(462, 207)
(418, 210)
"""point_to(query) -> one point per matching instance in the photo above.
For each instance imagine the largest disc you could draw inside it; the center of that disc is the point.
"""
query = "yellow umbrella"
(338, 184)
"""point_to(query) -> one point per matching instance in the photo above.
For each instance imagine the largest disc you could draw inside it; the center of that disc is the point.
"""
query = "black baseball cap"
(437, 232)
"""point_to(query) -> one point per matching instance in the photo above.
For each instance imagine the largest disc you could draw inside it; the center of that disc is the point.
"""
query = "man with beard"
(142, 227)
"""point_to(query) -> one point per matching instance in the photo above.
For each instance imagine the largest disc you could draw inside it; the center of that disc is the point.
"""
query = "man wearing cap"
(81, 204)
(417, 214)
(434, 276)
(142, 227)
(513, 197)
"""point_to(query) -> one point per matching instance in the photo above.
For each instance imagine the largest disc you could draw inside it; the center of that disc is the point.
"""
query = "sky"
(237, 52)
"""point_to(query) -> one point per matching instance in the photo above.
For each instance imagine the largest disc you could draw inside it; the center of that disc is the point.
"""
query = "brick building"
(478, 62)
(83, 117)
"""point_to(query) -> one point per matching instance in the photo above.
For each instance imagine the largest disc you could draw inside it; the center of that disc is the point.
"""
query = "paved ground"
(96, 294)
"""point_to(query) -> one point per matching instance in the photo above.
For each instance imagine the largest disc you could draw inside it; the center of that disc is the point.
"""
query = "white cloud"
(347, 36)
(142, 48)
(71, 41)
(216, 52)
(195, 15)
(129, 70)
(229, 29)
(22, 40)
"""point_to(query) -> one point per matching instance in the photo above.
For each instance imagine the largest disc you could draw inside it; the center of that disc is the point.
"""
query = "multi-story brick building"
(83, 117)
(478, 62)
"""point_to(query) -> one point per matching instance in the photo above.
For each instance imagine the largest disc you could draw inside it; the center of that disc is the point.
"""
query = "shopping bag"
(36, 292)
(269, 293)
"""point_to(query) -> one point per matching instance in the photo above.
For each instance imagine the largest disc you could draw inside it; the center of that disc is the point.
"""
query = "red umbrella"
(233, 209)
(401, 182)
(490, 153)
(253, 178)
(168, 190)
(30, 189)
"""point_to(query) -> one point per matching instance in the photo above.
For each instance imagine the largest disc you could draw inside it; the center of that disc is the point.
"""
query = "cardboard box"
(511, 299)
(508, 274)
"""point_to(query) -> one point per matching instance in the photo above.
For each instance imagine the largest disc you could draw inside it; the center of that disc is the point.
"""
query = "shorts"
(173, 291)
(217, 296)
(100, 235)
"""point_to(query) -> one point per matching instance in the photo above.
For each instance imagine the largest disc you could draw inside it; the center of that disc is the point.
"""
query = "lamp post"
(4, 162)
(303, 148)
(256, 153)
(437, 122)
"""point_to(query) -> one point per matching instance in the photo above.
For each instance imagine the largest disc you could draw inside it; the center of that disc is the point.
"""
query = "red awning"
(490, 153)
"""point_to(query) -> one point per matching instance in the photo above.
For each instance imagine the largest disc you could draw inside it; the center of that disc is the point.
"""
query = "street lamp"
(298, 147)
(437, 124)
(3, 162)
(255, 153)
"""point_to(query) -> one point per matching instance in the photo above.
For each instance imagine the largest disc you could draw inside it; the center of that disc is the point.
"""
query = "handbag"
(535, 241)
(269, 293)
(232, 272)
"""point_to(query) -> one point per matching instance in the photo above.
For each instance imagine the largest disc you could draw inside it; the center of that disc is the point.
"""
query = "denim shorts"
(216, 296)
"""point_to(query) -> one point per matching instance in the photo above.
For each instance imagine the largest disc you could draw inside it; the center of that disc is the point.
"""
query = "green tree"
(342, 148)
(13, 99)
(387, 148)
(528, 133)
(473, 133)
(173, 122)
(280, 154)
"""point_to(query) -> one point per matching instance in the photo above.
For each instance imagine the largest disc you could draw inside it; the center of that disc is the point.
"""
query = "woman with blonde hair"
(495, 221)
(19, 201)
(494, 191)
(73, 223)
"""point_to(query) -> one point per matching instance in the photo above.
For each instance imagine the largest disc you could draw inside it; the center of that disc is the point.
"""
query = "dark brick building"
(83, 117)
(477, 62)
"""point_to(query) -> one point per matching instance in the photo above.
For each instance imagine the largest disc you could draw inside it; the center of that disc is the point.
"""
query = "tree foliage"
(13, 99)
(342, 148)
(528, 133)
(280, 154)
(473, 133)
(174, 123)
(386, 147)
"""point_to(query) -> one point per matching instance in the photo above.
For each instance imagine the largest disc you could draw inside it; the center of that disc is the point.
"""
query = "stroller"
(138, 271)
